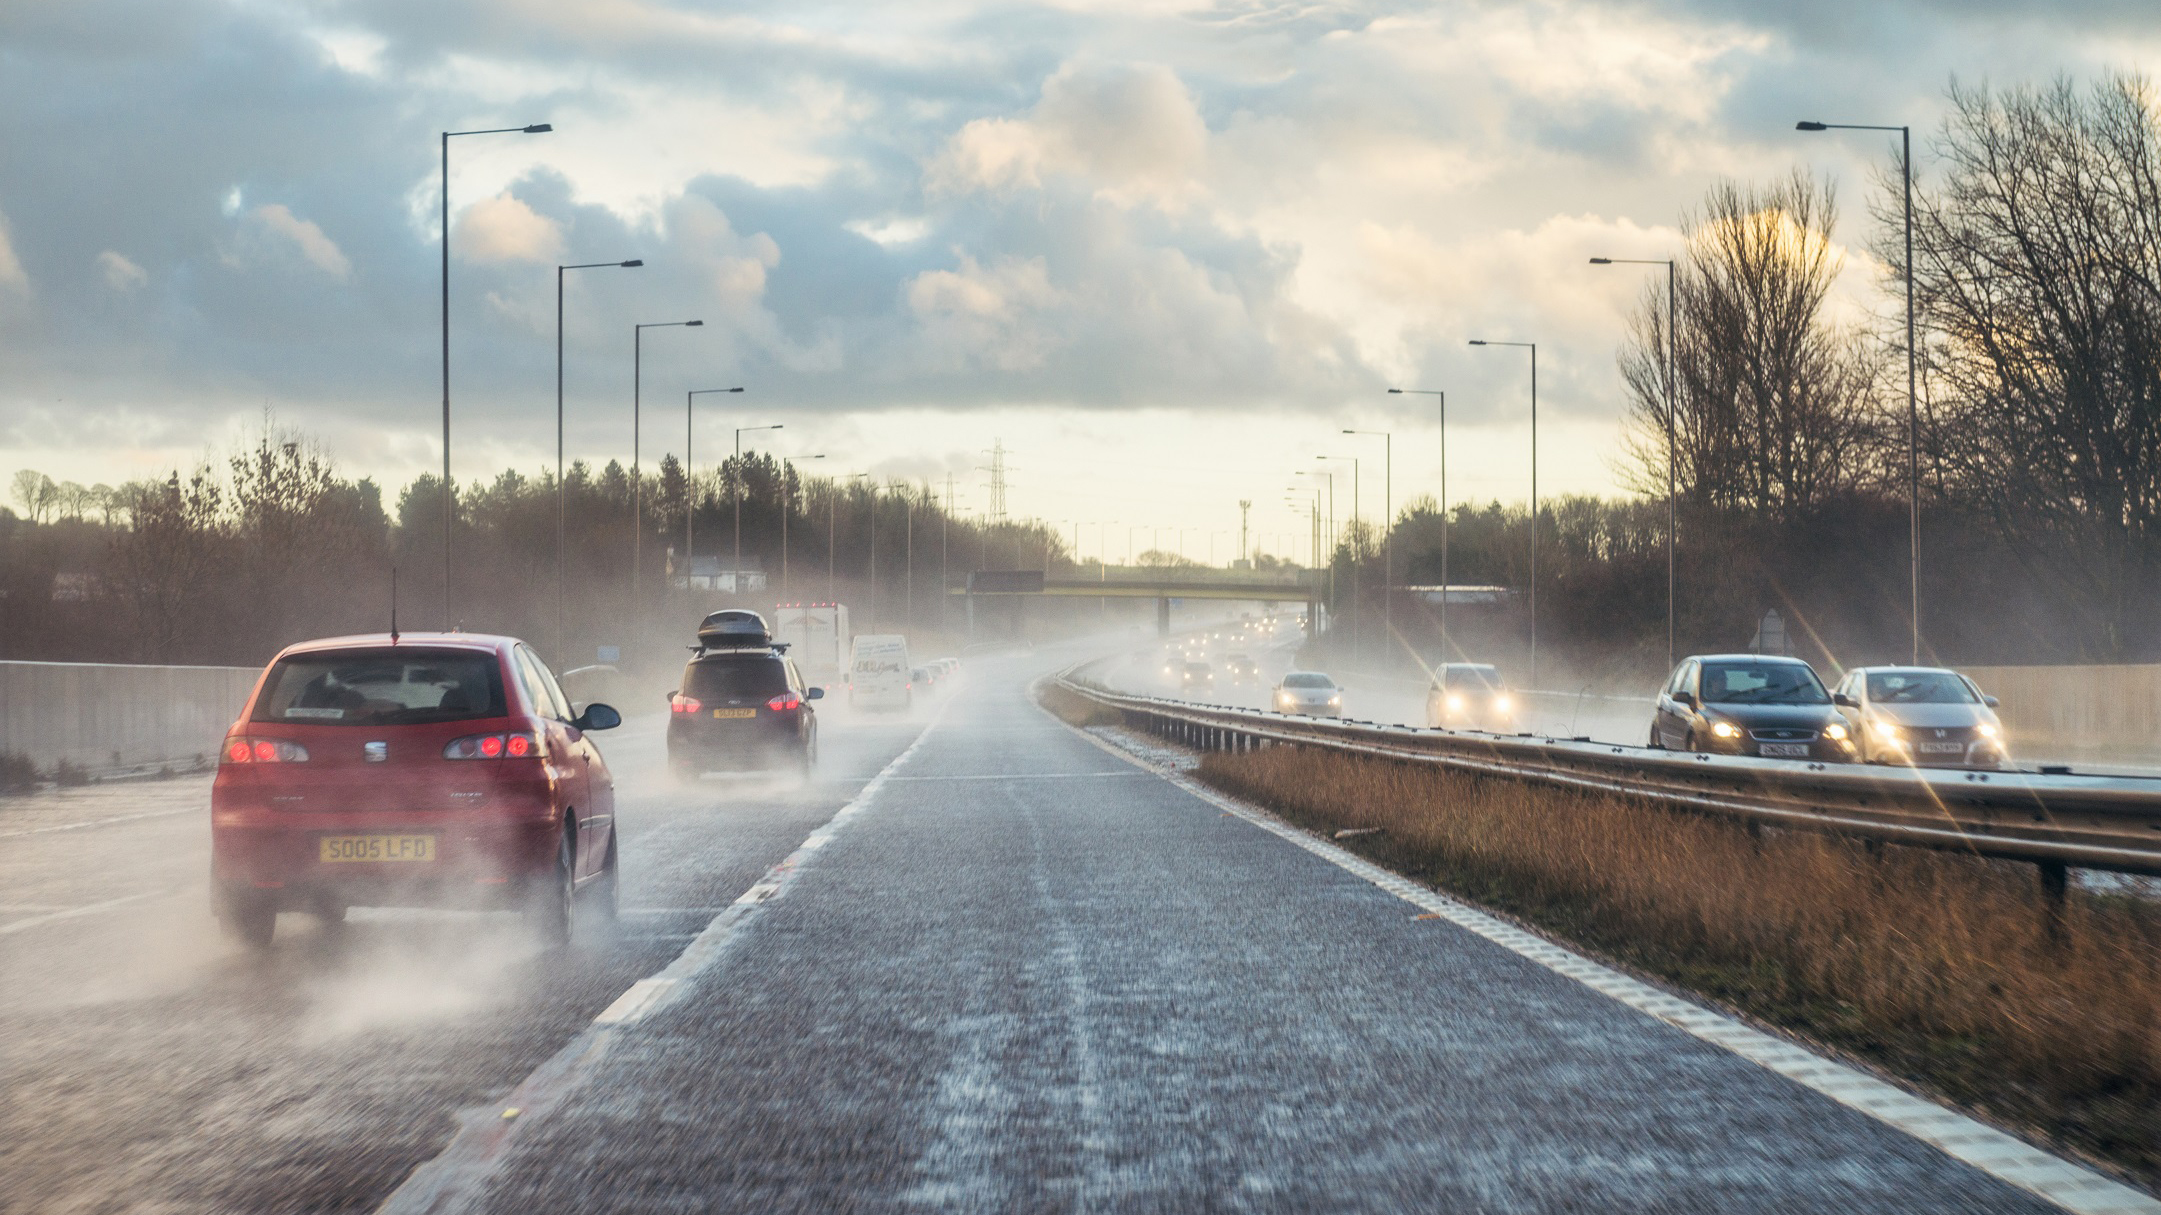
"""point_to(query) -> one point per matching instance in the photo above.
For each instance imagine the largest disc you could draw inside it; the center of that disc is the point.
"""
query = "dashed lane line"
(75, 912)
(456, 1178)
(99, 822)
(2005, 1157)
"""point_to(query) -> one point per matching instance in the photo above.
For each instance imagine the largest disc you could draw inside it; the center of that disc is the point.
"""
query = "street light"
(637, 483)
(832, 534)
(1913, 400)
(690, 482)
(736, 579)
(538, 128)
(1533, 348)
(1673, 510)
(562, 508)
(1388, 528)
(787, 505)
(1357, 600)
(1441, 396)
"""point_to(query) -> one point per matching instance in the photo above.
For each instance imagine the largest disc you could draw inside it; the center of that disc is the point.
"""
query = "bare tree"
(2038, 275)
(35, 493)
(1773, 401)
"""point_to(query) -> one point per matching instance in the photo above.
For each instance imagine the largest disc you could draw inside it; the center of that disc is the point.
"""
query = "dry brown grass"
(1075, 710)
(1946, 970)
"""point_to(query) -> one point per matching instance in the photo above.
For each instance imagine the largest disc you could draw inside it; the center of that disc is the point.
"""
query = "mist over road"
(1021, 973)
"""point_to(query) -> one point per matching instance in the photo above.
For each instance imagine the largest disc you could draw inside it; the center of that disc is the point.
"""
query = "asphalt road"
(1017, 972)
(1025, 974)
(147, 1065)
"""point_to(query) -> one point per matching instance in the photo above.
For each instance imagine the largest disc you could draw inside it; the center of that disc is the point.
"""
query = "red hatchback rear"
(428, 770)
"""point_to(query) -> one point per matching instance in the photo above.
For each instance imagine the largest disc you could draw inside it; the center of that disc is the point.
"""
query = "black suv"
(742, 709)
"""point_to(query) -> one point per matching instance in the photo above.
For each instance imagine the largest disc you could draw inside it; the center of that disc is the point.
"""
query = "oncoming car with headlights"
(1469, 694)
(1309, 694)
(1925, 716)
(1750, 704)
(423, 770)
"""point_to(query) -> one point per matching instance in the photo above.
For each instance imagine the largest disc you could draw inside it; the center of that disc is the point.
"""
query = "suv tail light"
(784, 702)
(263, 751)
(680, 703)
(492, 746)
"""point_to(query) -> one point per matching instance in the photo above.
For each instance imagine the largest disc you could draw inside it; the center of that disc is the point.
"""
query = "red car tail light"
(492, 746)
(263, 751)
(784, 702)
(680, 703)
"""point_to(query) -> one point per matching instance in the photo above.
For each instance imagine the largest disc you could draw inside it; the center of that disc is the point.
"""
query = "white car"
(1308, 694)
(1925, 716)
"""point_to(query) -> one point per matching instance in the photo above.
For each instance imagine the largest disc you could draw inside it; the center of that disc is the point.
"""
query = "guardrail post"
(2055, 892)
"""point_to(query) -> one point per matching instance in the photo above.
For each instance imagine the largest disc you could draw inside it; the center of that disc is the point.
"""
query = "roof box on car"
(734, 629)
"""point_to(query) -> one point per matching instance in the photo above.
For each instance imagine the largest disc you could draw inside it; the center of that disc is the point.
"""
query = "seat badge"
(377, 752)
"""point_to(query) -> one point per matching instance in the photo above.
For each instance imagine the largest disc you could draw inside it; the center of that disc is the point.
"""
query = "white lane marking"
(101, 822)
(1028, 776)
(456, 1178)
(2004, 1157)
(73, 912)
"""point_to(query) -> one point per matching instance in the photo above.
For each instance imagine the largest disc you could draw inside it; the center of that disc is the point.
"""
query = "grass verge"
(1075, 710)
(1948, 971)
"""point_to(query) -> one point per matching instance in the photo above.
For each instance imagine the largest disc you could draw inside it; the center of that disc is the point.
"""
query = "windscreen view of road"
(1032, 606)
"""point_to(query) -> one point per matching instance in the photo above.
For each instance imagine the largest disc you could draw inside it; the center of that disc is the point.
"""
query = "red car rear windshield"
(382, 687)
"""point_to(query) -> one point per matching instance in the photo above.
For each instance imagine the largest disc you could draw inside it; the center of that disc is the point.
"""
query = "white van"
(878, 672)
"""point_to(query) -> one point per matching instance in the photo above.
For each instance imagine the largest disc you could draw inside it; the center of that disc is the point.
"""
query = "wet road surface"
(1016, 973)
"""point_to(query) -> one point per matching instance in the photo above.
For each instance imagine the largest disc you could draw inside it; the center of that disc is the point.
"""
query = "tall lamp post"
(450, 511)
(562, 501)
(1440, 395)
(1357, 600)
(637, 481)
(1533, 348)
(1673, 510)
(832, 534)
(1913, 400)
(740, 431)
(787, 505)
(1388, 529)
(690, 480)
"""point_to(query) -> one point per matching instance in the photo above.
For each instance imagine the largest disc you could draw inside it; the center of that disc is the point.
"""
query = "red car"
(422, 770)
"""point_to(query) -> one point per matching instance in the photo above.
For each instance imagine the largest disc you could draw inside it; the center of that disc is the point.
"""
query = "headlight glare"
(1835, 732)
(1726, 729)
(1988, 729)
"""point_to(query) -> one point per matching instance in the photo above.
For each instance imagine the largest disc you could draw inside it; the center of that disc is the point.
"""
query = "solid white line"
(73, 912)
(1025, 776)
(457, 1177)
(99, 822)
(2004, 1157)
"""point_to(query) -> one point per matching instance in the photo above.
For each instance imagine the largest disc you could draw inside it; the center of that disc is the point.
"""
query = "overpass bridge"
(1163, 588)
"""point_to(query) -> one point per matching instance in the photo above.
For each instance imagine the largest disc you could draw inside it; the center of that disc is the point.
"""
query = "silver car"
(1309, 694)
(1925, 716)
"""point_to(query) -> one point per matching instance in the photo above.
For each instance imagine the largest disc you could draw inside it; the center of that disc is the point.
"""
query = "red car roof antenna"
(393, 605)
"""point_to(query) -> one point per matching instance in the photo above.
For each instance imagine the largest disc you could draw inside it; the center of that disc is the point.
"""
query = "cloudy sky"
(1164, 250)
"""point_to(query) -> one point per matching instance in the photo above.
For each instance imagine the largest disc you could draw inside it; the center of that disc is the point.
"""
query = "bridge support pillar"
(1163, 617)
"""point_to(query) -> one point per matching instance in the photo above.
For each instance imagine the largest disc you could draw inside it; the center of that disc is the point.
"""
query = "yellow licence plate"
(735, 712)
(336, 848)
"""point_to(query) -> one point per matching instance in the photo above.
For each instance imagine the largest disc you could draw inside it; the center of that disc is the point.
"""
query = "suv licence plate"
(1784, 750)
(735, 713)
(1943, 748)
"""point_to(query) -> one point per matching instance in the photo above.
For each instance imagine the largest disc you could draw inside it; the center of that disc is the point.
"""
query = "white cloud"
(120, 274)
(304, 236)
(1132, 132)
(12, 278)
(505, 229)
(989, 317)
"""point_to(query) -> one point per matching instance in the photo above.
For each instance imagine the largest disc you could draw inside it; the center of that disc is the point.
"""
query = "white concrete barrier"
(108, 717)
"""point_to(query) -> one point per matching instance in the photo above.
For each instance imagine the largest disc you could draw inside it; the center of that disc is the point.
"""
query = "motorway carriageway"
(1018, 971)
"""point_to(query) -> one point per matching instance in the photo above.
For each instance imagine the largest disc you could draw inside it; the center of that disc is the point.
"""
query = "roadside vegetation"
(1950, 972)
(1075, 710)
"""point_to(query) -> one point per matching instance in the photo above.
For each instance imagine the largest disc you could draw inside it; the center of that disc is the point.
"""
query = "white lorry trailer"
(817, 638)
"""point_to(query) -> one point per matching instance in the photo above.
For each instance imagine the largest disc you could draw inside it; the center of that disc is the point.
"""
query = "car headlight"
(1835, 732)
(1335, 700)
(1988, 729)
(1887, 732)
(1726, 729)
(1455, 704)
(1501, 704)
